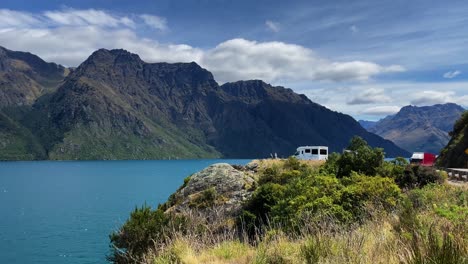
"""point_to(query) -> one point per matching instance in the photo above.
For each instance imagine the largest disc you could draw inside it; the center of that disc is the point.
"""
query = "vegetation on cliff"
(455, 154)
(289, 211)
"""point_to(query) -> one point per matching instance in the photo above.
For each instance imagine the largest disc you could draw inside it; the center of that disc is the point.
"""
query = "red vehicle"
(423, 158)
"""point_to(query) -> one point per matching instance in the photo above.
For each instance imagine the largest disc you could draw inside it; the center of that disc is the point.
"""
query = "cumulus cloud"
(278, 61)
(381, 110)
(155, 22)
(433, 97)
(451, 74)
(272, 26)
(69, 36)
(370, 96)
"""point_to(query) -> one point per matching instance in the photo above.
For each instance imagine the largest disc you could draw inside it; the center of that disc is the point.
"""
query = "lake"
(63, 211)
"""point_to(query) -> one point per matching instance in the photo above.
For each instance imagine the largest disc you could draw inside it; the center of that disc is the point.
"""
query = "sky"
(364, 58)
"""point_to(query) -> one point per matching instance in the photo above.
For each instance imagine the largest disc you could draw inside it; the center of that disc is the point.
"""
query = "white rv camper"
(312, 153)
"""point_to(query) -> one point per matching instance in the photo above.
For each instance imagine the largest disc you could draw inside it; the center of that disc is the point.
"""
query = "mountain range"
(116, 106)
(413, 128)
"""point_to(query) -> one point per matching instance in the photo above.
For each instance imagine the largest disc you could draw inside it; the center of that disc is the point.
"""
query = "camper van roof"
(301, 147)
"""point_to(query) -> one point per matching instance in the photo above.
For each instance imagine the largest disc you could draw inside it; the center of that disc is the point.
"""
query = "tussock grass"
(384, 239)
(279, 163)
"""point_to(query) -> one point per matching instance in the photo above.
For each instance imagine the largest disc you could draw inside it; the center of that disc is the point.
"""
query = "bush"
(362, 191)
(418, 176)
(205, 199)
(143, 229)
(361, 158)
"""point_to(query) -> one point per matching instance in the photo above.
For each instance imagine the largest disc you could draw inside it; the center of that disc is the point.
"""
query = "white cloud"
(69, 36)
(370, 96)
(155, 22)
(451, 74)
(354, 29)
(272, 26)
(89, 17)
(10, 18)
(433, 97)
(239, 59)
(337, 97)
(381, 110)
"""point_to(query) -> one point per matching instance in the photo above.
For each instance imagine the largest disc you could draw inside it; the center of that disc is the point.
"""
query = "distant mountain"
(423, 128)
(455, 154)
(116, 106)
(367, 124)
(24, 77)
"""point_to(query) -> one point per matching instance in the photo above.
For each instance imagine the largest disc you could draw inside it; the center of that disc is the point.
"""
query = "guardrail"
(457, 174)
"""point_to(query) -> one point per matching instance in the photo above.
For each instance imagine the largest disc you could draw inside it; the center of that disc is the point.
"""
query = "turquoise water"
(62, 212)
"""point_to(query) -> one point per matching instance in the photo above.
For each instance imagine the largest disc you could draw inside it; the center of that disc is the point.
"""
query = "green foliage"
(205, 199)
(452, 212)
(291, 195)
(142, 231)
(331, 166)
(418, 176)
(292, 163)
(262, 202)
(362, 190)
(446, 201)
(314, 249)
(436, 248)
(287, 195)
(460, 124)
(360, 158)
(356, 143)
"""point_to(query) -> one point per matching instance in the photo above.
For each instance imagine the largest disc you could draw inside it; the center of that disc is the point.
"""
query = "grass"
(374, 242)
(417, 235)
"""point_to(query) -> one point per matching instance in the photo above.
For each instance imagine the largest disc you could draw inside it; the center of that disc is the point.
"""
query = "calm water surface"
(62, 212)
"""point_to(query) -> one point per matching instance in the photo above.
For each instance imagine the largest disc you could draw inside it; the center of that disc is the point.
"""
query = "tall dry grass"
(384, 239)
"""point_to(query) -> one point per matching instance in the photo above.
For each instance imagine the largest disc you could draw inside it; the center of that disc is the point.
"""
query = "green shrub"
(142, 230)
(418, 176)
(362, 191)
(331, 165)
(360, 158)
(205, 199)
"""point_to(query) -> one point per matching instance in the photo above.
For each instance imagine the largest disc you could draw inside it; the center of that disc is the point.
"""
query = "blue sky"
(365, 58)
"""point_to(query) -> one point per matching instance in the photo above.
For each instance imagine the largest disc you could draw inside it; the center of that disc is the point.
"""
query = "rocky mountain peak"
(254, 91)
(419, 128)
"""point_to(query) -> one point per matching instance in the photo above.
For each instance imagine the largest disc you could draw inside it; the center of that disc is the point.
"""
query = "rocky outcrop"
(215, 194)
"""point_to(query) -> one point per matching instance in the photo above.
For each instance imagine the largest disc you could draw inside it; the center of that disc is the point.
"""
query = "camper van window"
(314, 151)
(323, 152)
(307, 150)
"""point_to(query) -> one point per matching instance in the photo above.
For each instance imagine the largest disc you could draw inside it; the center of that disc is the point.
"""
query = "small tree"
(360, 158)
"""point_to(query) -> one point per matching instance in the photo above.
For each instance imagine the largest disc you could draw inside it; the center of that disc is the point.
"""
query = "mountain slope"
(24, 78)
(367, 124)
(455, 154)
(419, 128)
(116, 106)
(275, 119)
